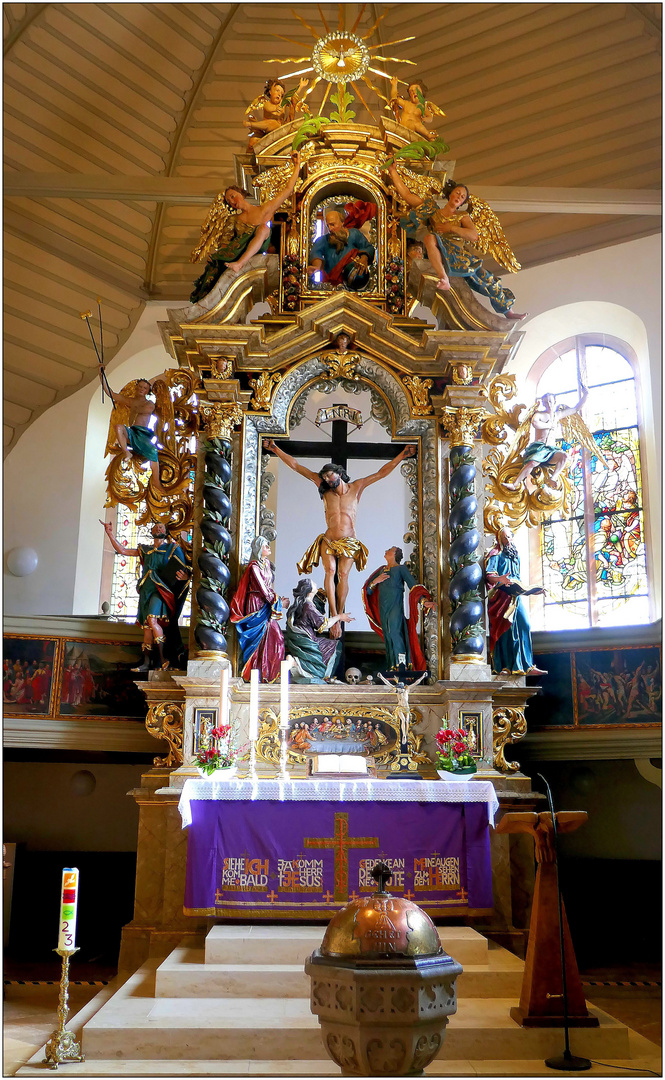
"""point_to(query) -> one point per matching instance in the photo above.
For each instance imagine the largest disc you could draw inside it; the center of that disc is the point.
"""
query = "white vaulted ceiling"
(122, 119)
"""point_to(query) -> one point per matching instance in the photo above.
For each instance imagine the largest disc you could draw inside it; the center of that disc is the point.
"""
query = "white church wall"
(54, 489)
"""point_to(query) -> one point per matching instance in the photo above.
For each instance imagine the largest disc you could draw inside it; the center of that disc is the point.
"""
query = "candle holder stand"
(63, 1046)
(283, 755)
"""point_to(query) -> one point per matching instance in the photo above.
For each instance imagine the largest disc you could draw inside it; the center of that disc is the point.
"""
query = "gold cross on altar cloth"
(340, 844)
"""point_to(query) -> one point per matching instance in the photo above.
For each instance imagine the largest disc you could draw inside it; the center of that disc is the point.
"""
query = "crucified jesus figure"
(338, 548)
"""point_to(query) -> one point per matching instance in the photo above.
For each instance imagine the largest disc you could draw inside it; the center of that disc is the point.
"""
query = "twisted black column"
(467, 632)
(215, 545)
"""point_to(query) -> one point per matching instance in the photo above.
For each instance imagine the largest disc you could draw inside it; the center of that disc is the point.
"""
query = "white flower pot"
(219, 774)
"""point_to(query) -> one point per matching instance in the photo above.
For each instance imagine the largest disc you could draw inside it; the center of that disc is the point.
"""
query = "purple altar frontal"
(300, 849)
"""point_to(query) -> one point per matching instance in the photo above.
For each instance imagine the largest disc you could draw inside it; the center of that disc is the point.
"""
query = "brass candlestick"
(63, 1045)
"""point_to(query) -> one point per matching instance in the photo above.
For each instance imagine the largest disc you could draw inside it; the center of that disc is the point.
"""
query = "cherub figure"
(411, 112)
(130, 422)
(279, 107)
(545, 418)
(447, 231)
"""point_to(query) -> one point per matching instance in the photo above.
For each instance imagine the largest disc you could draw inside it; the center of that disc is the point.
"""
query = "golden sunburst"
(341, 56)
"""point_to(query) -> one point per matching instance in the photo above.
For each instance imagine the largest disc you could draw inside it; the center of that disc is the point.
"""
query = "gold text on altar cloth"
(244, 875)
(436, 872)
(366, 882)
(300, 875)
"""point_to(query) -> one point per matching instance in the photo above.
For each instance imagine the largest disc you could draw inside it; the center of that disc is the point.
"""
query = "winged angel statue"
(449, 231)
(540, 461)
(134, 441)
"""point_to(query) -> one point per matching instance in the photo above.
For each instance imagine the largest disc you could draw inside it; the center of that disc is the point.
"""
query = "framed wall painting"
(29, 675)
(618, 686)
(97, 681)
(553, 706)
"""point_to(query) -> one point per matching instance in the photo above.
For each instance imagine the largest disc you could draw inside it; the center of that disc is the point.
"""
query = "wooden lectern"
(541, 1000)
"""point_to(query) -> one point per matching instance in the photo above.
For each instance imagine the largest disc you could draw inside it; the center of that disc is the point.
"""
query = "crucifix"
(338, 548)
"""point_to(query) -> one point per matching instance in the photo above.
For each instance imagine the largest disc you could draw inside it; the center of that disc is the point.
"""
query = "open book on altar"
(341, 765)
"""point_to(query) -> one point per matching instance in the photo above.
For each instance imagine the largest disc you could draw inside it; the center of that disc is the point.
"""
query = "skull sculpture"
(352, 676)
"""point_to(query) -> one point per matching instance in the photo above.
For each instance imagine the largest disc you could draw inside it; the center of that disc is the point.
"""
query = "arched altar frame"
(319, 189)
(404, 426)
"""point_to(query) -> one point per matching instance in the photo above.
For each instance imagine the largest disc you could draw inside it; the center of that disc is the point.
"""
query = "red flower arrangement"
(453, 754)
(215, 751)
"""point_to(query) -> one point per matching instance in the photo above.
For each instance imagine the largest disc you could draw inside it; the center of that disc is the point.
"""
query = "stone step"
(184, 974)
(134, 1025)
(293, 944)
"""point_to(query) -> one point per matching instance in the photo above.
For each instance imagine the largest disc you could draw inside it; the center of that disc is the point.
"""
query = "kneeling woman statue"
(305, 637)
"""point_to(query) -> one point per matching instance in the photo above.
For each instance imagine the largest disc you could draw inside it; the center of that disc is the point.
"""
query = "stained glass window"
(593, 558)
(124, 598)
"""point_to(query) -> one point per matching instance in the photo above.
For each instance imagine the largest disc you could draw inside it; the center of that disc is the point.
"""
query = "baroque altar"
(287, 351)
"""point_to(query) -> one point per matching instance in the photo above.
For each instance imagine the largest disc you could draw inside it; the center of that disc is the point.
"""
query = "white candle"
(224, 697)
(284, 694)
(254, 704)
(68, 905)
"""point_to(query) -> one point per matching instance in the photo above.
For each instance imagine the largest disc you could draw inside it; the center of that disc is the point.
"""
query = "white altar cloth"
(312, 790)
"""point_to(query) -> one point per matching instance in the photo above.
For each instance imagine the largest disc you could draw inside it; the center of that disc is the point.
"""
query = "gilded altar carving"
(507, 435)
(461, 424)
(419, 390)
(509, 727)
(164, 721)
(129, 484)
(268, 746)
(221, 367)
(342, 365)
(462, 374)
(220, 417)
(263, 387)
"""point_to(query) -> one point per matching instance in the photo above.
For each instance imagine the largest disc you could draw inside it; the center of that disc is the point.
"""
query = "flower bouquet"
(216, 754)
(453, 754)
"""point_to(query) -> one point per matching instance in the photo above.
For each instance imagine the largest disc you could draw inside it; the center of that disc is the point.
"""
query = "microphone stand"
(566, 1062)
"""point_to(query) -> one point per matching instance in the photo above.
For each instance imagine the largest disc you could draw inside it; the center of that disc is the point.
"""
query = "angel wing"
(575, 431)
(165, 429)
(491, 237)
(257, 103)
(213, 229)
(120, 414)
(523, 432)
(436, 110)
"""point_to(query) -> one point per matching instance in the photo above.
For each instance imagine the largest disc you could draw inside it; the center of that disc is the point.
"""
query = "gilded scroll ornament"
(419, 390)
(507, 432)
(164, 721)
(509, 727)
(220, 417)
(342, 365)
(163, 494)
(461, 424)
(263, 388)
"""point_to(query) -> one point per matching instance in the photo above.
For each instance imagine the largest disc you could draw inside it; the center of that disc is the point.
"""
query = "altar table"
(298, 849)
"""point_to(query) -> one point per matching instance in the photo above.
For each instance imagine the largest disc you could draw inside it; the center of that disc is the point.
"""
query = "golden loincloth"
(348, 547)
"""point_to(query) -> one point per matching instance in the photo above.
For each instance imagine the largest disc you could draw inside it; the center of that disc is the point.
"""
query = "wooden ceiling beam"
(195, 191)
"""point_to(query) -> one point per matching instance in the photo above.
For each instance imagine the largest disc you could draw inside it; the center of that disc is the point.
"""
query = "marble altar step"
(293, 944)
(186, 974)
(135, 1025)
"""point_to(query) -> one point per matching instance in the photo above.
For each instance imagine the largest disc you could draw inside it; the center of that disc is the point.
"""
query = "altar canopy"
(255, 852)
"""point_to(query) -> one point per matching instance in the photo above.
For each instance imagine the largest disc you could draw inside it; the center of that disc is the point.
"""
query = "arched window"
(592, 558)
(123, 599)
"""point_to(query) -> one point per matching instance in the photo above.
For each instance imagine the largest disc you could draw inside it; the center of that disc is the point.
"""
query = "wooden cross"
(340, 844)
(339, 449)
